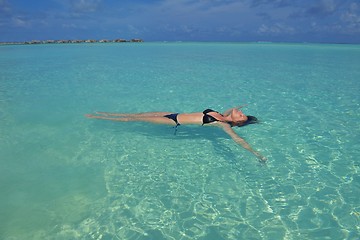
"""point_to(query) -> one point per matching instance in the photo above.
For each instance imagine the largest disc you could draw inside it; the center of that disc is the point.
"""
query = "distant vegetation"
(75, 41)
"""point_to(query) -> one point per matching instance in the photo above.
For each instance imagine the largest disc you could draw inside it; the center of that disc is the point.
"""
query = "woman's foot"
(92, 116)
(103, 113)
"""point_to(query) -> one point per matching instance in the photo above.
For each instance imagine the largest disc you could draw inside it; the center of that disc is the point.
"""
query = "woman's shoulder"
(209, 110)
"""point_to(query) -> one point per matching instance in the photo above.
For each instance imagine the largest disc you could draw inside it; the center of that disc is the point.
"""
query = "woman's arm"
(226, 127)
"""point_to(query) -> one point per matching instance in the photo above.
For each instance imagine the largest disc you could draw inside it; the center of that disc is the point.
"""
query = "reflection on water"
(67, 177)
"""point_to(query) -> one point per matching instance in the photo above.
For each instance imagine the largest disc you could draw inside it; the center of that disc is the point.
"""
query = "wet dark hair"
(250, 120)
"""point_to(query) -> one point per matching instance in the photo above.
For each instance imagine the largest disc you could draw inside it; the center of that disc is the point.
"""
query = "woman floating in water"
(230, 118)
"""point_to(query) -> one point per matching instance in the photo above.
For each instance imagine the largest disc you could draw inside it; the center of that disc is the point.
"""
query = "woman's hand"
(260, 157)
(240, 141)
(241, 106)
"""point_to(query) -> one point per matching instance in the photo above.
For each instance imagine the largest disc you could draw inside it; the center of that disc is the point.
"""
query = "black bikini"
(173, 117)
(206, 118)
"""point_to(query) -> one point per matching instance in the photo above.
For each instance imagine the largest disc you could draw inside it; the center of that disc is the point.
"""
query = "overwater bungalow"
(119, 40)
(136, 40)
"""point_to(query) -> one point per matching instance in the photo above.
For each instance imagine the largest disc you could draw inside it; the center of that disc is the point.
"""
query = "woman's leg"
(136, 115)
(151, 119)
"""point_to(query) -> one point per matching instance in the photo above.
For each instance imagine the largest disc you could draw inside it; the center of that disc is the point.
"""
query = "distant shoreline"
(138, 40)
(33, 42)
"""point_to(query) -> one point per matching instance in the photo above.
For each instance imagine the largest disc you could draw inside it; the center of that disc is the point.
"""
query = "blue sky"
(333, 21)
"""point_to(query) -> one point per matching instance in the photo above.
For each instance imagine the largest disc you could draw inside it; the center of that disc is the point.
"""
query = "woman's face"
(238, 116)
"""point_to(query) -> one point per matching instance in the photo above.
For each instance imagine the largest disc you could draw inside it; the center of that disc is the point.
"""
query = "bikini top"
(208, 118)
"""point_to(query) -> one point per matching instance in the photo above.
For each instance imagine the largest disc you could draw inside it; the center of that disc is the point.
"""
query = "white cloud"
(275, 29)
(5, 7)
(86, 5)
(19, 22)
(69, 25)
(328, 6)
(351, 19)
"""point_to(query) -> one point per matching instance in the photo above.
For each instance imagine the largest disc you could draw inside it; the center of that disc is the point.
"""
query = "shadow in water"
(215, 135)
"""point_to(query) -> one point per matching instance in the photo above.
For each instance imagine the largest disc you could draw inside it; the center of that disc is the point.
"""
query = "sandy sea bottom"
(67, 177)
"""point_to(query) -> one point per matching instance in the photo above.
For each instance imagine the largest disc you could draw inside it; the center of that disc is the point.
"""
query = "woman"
(230, 118)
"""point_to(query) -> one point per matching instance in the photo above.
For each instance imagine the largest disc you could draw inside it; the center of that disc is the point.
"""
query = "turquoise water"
(63, 176)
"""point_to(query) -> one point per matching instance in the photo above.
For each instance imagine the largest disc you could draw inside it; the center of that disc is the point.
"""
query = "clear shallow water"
(63, 176)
